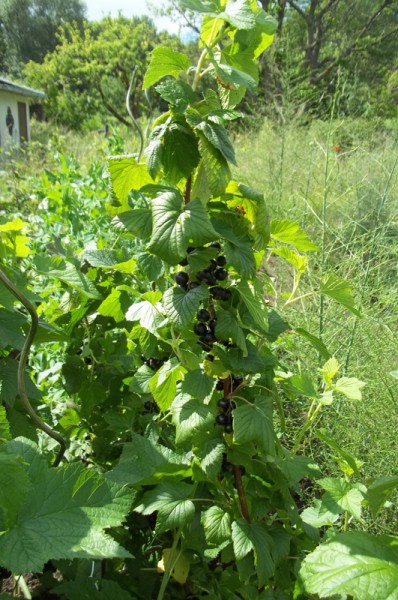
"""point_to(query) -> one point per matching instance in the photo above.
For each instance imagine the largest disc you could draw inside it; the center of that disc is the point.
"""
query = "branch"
(325, 9)
(350, 49)
(298, 9)
(112, 110)
(23, 361)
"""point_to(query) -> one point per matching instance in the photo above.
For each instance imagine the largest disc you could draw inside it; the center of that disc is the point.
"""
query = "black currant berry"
(209, 357)
(232, 405)
(237, 380)
(209, 338)
(221, 274)
(212, 266)
(148, 405)
(212, 324)
(220, 385)
(228, 428)
(223, 403)
(181, 278)
(200, 329)
(183, 262)
(203, 315)
(226, 295)
(221, 261)
(220, 293)
(221, 419)
(215, 245)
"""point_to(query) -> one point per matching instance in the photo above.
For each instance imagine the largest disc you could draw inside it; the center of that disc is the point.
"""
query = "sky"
(96, 9)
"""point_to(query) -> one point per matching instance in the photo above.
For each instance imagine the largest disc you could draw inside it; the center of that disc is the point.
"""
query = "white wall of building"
(11, 100)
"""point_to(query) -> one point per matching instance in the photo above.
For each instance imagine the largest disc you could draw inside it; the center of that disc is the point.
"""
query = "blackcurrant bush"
(215, 245)
(209, 357)
(228, 428)
(221, 261)
(221, 274)
(203, 315)
(200, 328)
(183, 262)
(220, 385)
(221, 419)
(223, 403)
(181, 278)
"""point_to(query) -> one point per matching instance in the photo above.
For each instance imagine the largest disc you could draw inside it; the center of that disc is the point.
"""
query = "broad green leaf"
(209, 29)
(198, 385)
(176, 92)
(126, 175)
(180, 154)
(339, 290)
(319, 515)
(11, 335)
(305, 385)
(14, 484)
(190, 416)
(215, 166)
(315, 342)
(108, 259)
(276, 326)
(254, 536)
(228, 327)
(253, 423)
(239, 14)
(172, 501)
(67, 273)
(199, 259)
(150, 316)
(177, 226)
(137, 221)
(298, 261)
(350, 387)
(379, 491)
(217, 525)
(211, 456)
(63, 515)
(359, 564)
(165, 61)
(296, 467)
(111, 306)
(254, 303)
(181, 306)
(144, 461)
(163, 385)
(15, 225)
(235, 77)
(217, 136)
(350, 460)
(289, 232)
(9, 385)
(342, 496)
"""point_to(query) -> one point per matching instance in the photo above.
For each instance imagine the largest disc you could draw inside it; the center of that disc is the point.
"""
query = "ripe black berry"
(200, 329)
(220, 385)
(228, 428)
(212, 266)
(212, 324)
(223, 403)
(215, 245)
(220, 293)
(209, 338)
(203, 315)
(238, 379)
(209, 357)
(181, 278)
(226, 294)
(221, 274)
(221, 261)
(183, 262)
(221, 419)
(143, 357)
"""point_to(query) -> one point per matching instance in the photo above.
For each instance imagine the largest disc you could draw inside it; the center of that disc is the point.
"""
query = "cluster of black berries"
(224, 417)
(205, 328)
(209, 276)
(152, 362)
(151, 407)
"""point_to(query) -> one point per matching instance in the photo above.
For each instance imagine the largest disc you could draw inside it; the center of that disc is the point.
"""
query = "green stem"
(171, 563)
(312, 413)
(23, 361)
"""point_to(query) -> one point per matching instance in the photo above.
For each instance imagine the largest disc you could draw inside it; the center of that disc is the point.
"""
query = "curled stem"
(23, 361)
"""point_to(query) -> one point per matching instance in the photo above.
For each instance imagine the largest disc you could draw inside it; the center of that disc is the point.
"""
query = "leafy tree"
(91, 69)
(30, 27)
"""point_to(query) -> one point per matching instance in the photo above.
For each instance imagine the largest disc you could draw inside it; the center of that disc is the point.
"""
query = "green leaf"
(350, 387)
(64, 515)
(227, 327)
(163, 385)
(239, 14)
(14, 484)
(379, 491)
(176, 92)
(177, 226)
(10, 329)
(181, 306)
(217, 525)
(289, 232)
(298, 261)
(199, 259)
(342, 496)
(190, 416)
(5, 434)
(339, 290)
(359, 564)
(350, 460)
(254, 302)
(126, 175)
(295, 468)
(150, 316)
(215, 166)
(254, 536)
(165, 61)
(180, 154)
(111, 306)
(211, 456)
(68, 273)
(217, 136)
(198, 385)
(9, 383)
(146, 462)
(238, 248)
(315, 342)
(253, 423)
(137, 221)
(319, 515)
(172, 502)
